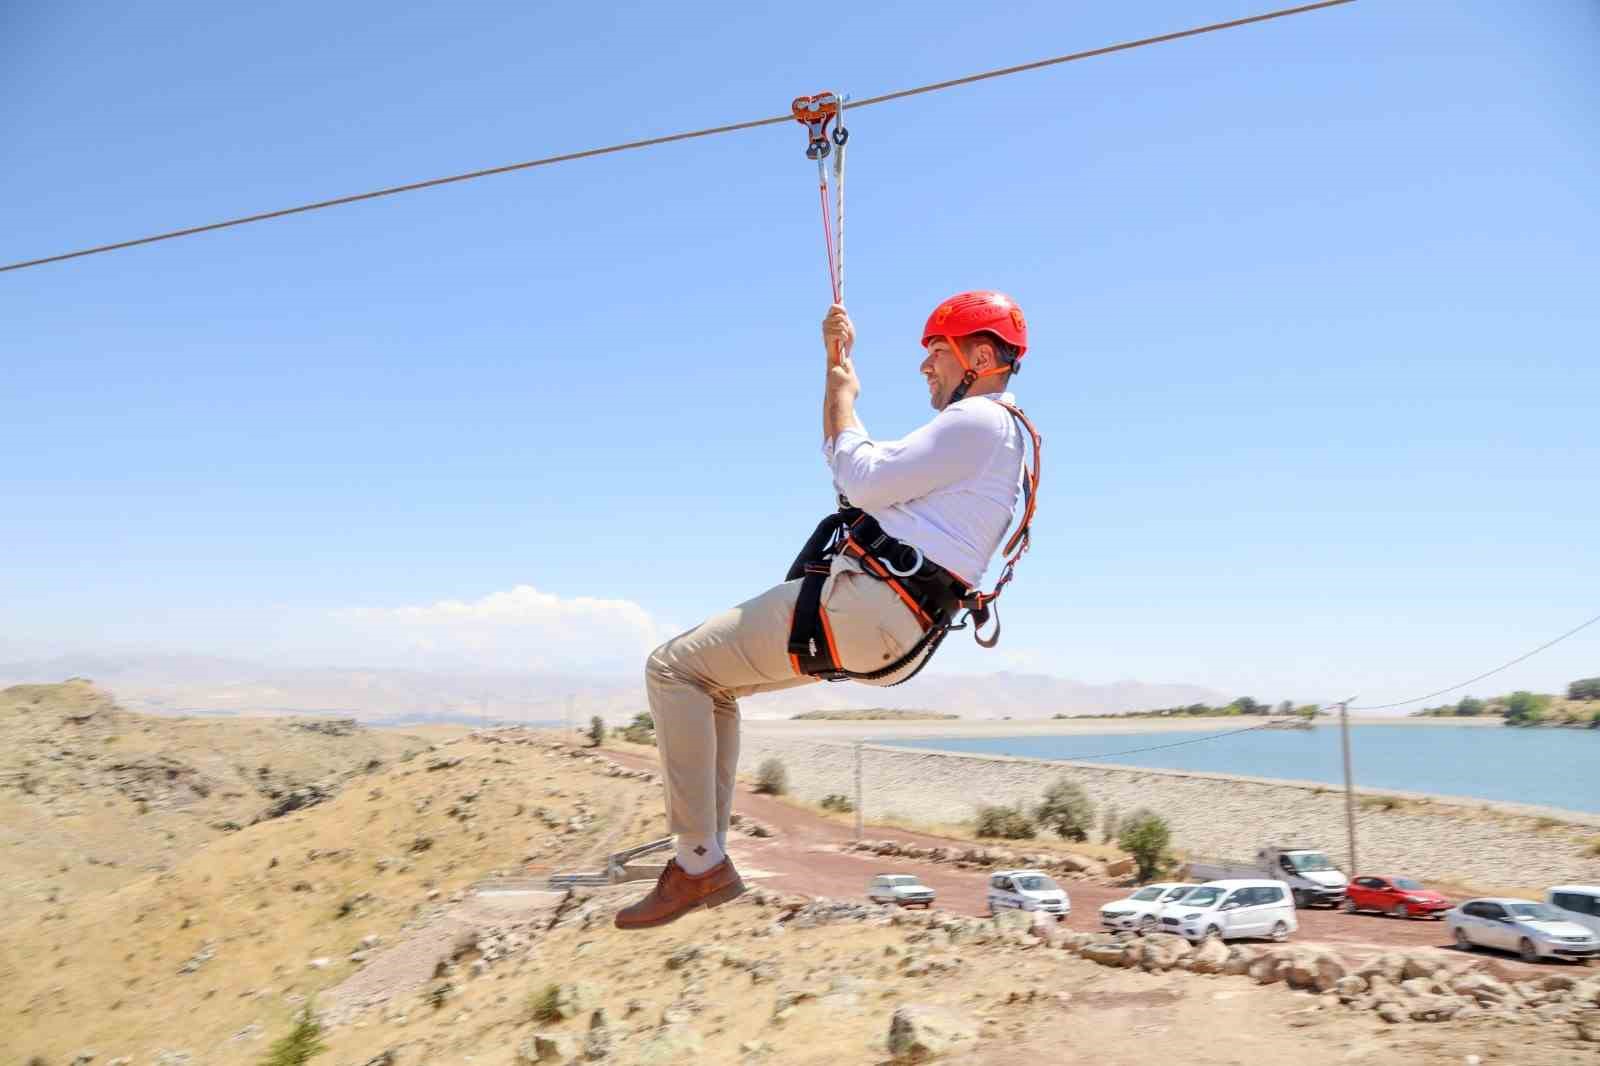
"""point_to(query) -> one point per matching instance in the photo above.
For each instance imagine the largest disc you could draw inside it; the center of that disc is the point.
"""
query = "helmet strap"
(970, 375)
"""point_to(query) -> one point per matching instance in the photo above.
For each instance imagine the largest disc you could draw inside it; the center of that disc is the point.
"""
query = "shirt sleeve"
(956, 445)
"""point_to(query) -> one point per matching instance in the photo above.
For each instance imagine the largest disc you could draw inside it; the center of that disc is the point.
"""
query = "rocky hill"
(93, 796)
(402, 914)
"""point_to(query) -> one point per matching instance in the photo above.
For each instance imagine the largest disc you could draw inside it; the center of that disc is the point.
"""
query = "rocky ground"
(399, 911)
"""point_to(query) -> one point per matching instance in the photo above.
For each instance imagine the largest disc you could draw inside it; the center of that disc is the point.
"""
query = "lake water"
(1549, 767)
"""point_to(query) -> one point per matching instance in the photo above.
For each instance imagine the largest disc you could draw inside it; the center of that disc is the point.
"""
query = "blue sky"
(1312, 306)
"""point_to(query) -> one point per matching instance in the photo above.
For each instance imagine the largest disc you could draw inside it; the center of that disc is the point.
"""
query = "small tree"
(1525, 708)
(1469, 707)
(1067, 809)
(597, 731)
(1007, 823)
(1145, 835)
(642, 730)
(1109, 827)
(303, 1041)
(771, 778)
(1586, 689)
(837, 801)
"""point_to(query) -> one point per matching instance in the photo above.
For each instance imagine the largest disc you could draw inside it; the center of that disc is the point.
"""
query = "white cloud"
(520, 628)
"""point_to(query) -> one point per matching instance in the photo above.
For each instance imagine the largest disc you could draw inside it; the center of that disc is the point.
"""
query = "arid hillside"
(93, 797)
(406, 909)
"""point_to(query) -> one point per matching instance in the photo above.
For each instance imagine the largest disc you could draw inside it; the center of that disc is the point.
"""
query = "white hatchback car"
(901, 889)
(1230, 910)
(1142, 910)
(1533, 930)
(1027, 890)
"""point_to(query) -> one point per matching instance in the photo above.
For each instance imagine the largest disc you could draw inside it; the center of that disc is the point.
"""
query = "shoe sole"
(726, 894)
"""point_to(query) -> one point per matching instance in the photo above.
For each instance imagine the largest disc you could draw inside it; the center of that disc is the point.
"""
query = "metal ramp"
(620, 868)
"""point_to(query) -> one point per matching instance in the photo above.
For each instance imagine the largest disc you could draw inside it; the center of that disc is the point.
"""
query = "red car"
(1399, 896)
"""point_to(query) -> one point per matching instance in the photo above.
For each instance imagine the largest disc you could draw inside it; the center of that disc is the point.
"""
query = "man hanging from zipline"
(875, 589)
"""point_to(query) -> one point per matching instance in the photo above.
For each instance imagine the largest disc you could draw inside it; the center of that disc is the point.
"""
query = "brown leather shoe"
(677, 893)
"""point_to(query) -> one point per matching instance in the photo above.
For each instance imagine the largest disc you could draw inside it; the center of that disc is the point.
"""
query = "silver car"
(1532, 930)
(900, 889)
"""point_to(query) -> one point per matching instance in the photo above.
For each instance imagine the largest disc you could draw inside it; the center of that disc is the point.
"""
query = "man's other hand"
(838, 336)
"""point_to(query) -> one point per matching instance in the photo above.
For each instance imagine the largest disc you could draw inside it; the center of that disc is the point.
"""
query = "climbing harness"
(818, 113)
(932, 593)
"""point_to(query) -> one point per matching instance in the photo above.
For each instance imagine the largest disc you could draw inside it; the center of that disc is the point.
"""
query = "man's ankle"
(697, 854)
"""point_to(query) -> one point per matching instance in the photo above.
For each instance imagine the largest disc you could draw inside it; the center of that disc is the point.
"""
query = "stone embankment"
(1484, 844)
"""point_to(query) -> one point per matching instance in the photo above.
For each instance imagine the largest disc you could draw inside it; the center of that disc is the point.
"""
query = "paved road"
(804, 857)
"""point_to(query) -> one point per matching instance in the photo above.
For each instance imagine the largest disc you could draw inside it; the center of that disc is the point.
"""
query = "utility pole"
(858, 790)
(570, 701)
(1349, 787)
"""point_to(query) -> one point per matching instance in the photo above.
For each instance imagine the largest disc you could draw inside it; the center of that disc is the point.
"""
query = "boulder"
(1350, 986)
(1483, 988)
(1161, 951)
(921, 1033)
(1209, 957)
(1240, 959)
(1421, 964)
(670, 1043)
(1267, 969)
(1390, 966)
(1434, 1008)
(1010, 918)
(1105, 952)
(1327, 971)
(1392, 1012)
(550, 1047)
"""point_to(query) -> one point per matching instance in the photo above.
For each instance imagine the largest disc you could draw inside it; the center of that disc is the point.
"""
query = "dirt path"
(804, 856)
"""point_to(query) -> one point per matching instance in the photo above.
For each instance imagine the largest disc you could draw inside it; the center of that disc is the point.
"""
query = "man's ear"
(983, 356)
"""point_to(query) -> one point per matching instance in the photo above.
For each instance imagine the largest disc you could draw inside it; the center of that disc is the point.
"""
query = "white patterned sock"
(696, 854)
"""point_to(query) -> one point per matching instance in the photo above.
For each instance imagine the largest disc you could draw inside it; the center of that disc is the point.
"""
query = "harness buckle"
(889, 566)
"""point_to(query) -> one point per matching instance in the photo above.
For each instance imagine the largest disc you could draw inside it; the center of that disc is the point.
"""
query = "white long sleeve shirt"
(948, 488)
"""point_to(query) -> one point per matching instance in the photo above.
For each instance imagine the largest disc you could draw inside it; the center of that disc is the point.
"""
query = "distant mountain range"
(195, 684)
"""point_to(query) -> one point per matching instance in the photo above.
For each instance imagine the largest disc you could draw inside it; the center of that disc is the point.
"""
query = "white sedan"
(1533, 930)
(1142, 910)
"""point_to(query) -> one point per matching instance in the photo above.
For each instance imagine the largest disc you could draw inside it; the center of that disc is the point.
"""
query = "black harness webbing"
(932, 593)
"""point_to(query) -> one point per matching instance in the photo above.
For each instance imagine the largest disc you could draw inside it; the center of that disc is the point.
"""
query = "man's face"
(943, 372)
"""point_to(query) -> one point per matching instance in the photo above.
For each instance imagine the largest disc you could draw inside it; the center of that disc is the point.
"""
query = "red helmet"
(977, 312)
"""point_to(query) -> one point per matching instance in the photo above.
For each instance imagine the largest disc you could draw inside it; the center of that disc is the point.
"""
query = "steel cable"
(669, 138)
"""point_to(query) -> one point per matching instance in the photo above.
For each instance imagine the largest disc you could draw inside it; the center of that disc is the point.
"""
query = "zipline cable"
(1488, 673)
(669, 138)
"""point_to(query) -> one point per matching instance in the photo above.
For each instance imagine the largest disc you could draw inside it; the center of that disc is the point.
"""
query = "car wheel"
(1350, 906)
(1526, 949)
(1463, 941)
(1147, 925)
(1399, 911)
(1280, 932)
(1213, 933)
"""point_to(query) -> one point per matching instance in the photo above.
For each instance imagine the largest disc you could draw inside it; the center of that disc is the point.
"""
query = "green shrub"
(836, 801)
(642, 730)
(1526, 708)
(1007, 823)
(597, 731)
(1146, 836)
(1109, 827)
(1586, 689)
(771, 778)
(1067, 809)
(1382, 803)
(303, 1041)
(543, 1005)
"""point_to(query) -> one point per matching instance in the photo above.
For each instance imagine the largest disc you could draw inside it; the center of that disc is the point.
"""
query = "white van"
(1579, 904)
(1229, 910)
(1027, 890)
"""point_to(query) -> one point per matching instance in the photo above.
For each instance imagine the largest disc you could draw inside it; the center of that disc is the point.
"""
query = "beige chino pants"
(695, 680)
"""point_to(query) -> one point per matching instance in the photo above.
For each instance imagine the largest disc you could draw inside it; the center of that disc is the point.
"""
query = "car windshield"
(1178, 892)
(1202, 897)
(1036, 883)
(1407, 884)
(901, 879)
(1310, 861)
(1146, 894)
(1536, 912)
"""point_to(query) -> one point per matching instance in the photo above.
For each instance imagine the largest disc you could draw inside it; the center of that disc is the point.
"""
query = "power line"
(1174, 744)
(1487, 673)
(669, 138)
